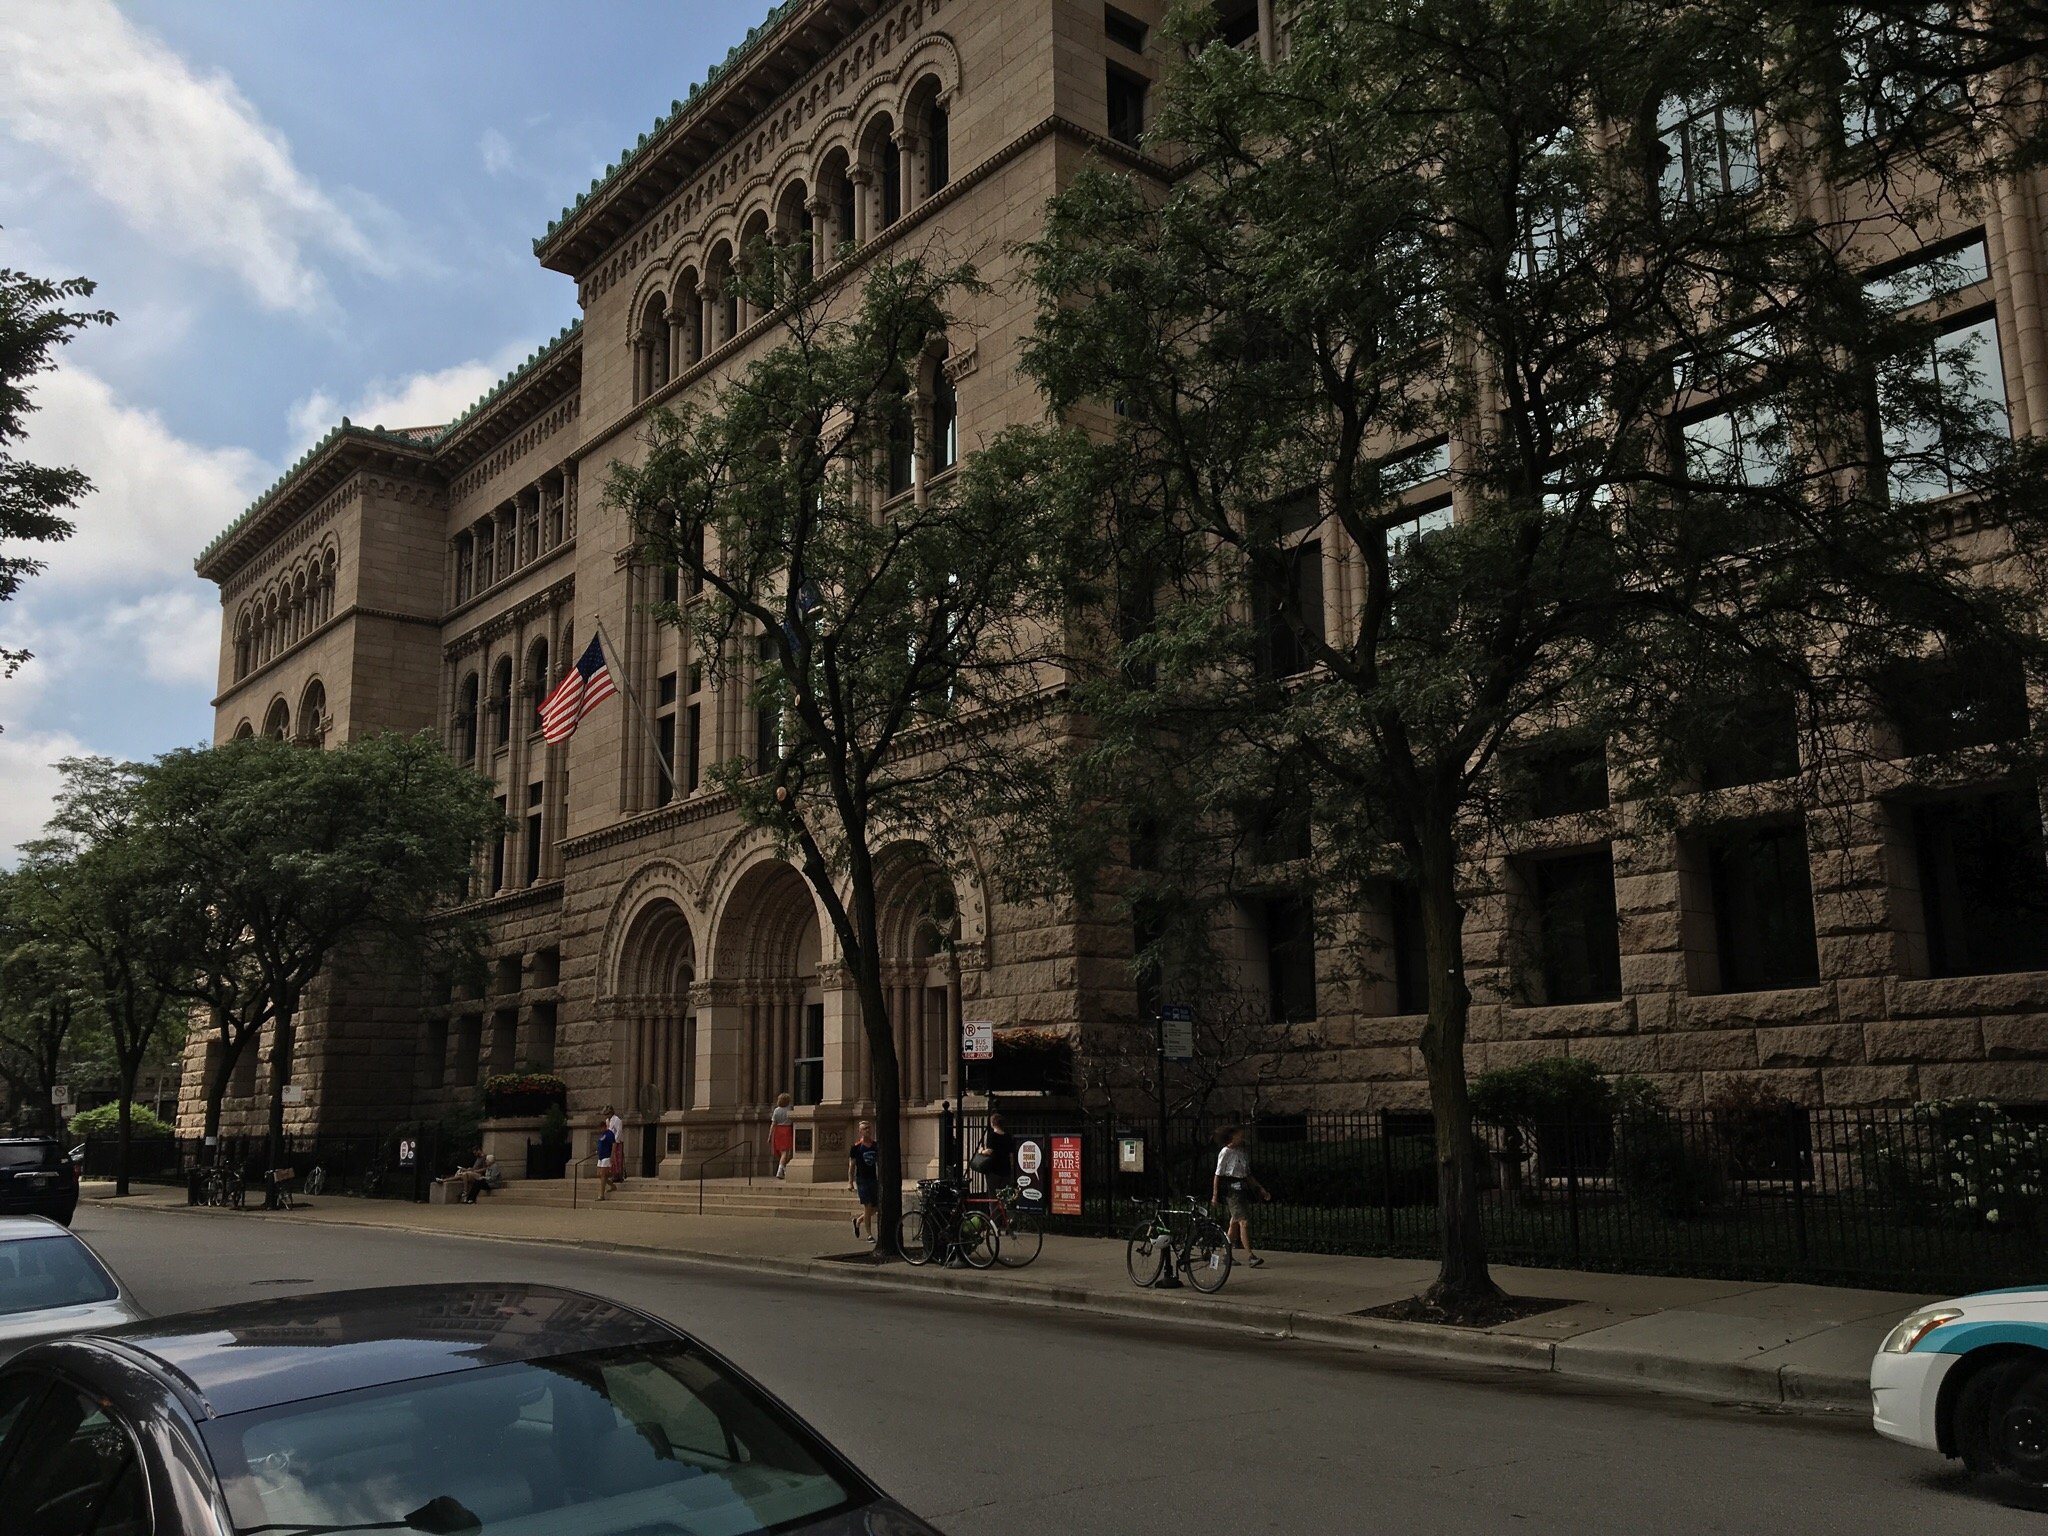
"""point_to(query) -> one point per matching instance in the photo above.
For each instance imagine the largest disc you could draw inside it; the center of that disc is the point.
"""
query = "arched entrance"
(768, 953)
(651, 995)
(919, 931)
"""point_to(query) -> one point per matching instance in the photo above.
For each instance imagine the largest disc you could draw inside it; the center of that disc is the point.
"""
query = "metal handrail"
(748, 1143)
(576, 1176)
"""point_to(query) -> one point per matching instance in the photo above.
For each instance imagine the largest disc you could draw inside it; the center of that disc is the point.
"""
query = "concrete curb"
(1787, 1389)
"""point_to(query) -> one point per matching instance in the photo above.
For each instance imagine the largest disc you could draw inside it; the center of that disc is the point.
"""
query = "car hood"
(2032, 1298)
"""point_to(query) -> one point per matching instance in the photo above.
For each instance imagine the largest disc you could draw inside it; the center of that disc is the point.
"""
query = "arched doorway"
(768, 951)
(651, 992)
(919, 929)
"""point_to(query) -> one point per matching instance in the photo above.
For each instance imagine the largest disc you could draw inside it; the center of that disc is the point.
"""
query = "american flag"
(582, 688)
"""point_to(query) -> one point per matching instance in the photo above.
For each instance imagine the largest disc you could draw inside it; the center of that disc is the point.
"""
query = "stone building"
(657, 955)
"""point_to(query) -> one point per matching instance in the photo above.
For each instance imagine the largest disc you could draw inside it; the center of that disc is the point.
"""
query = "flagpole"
(625, 684)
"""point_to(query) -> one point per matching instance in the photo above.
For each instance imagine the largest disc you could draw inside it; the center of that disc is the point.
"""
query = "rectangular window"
(1237, 22)
(534, 845)
(1763, 909)
(1290, 935)
(540, 1051)
(498, 853)
(1124, 30)
(1710, 151)
(1126, 106)
(436, 1051)
(1983, 882)
(1928, 456)
(767, 716)
(1895, 67)
(1950, 704)
(810, 1061)
(1758, 742)
(1578, 935)
(945, 422)
(1929, 276)
(469, 1044)
(664, 775)
(1286, 652)
(693, 750)
(671, 584)
(902, 466)
(1411, 950)
(1742, 445)
(1555, 778)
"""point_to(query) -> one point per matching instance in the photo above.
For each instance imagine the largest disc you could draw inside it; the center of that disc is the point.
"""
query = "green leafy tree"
(886, 614)
(41, 1002)
(286, 855)
(1532, 258)
(36, 318)
(102, 889)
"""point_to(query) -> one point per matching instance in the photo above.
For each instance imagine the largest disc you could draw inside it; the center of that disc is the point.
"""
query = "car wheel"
(2002, 1422)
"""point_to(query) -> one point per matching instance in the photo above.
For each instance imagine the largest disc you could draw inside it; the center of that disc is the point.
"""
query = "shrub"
(1764, 1132)
(554, 1128)
(1967, 1163)
(1656, 1163)
(106, 1121)
(1546, 1092)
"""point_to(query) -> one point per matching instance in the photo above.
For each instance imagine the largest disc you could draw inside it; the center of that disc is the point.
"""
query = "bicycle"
(224, 1186)
(944, 1224)
(1182, 1238)
(316, 1179)
(1022, 1232)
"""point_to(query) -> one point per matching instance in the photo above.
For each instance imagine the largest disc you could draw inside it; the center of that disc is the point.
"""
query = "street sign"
(293, 1094)
(1066, 1175)
(1130, 1154)
(60, 1096)
(1177, 1032)
(408, 1153)
(978, 1040)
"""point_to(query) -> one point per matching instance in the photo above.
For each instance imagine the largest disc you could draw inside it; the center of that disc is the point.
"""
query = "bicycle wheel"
(316, 1181)
(1021, 1244)
(980, 1243)
(1147, 1255)
(912, 1241)
(1208, 1259)
(236, 1194)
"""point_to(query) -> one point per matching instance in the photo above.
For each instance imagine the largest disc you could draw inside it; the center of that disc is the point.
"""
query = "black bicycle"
(944, 1225)
(1178, 1237)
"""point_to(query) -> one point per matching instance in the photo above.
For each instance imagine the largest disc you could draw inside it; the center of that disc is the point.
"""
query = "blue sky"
(298, 211)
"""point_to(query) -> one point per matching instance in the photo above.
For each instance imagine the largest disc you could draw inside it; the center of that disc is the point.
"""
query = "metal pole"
(626, 687)
(1159, 1085)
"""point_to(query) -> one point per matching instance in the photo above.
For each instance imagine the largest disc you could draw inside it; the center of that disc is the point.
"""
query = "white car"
(1969, 1378)
(51, 1284)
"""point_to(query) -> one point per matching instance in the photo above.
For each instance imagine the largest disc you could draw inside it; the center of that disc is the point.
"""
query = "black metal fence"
(397, 1165)
(1933, 1197)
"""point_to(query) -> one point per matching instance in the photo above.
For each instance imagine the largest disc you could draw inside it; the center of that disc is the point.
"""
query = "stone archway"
(920, 926)
(655, 969)
(768, 962)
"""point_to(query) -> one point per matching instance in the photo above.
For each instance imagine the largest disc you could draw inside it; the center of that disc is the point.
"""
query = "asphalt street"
(993, 1421)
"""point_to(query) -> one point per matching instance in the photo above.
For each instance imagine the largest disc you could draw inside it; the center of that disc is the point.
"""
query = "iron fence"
(398, 1164)
(1931, 1197)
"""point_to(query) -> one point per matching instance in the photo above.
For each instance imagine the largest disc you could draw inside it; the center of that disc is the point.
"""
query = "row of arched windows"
(290, 608)
(479, 714)
(851, 196)
(277, 720)
(512, 536)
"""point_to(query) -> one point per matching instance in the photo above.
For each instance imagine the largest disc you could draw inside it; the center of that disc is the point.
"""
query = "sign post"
(1176, 1026)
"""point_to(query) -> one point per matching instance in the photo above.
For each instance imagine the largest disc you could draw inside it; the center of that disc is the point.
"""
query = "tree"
(1538, 261)
(34, 321)
(40, 1001)
(286, 855)
(887, 616)
(101, 889)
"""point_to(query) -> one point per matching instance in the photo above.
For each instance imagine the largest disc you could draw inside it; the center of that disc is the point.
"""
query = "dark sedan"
(510, 1410)
(37, 1178)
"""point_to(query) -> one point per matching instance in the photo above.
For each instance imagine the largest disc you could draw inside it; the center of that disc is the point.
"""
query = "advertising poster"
(1032, 1167)
(1066, 1175)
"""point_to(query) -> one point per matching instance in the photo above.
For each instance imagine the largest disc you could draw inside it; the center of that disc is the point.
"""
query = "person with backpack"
(996, 1158)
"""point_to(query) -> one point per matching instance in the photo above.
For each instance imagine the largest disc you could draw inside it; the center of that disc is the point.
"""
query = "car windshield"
(621, 1442)
(33, 1155)
(37, 1273)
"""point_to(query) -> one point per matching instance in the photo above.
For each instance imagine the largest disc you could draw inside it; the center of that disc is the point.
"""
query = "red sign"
(1066, 1175)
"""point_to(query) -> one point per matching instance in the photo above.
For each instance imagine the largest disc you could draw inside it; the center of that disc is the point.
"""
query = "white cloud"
(418, 400)
(176, 633)
(28, 767)
(156, 497)
(184, 158)
(496, 150)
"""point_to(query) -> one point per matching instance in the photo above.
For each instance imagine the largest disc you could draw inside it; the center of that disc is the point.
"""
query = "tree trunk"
(1463, 1287)
(282, 1033)
(124, 1133)
(874, 1016)
(231, 1047)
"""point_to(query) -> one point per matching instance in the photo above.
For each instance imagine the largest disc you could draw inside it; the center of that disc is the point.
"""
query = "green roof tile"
(771, 23)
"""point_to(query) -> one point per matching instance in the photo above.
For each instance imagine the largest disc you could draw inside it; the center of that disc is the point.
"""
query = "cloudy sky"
(299, 212)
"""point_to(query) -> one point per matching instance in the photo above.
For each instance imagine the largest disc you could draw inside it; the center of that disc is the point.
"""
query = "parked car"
(52, 1284)
(451, 1408)
(37, 1178)
(1969, 1378)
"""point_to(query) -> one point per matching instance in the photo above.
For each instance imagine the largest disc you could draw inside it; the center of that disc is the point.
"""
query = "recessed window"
(1126, 106)
(1555, 778)
(1296, 598)
(1237, 22)
(1709, 151)
(1754, 743)
(1983, 882)
(1763, 908)
(1290, 952)
(1578, 937)
(1950, 704)
(1125, 30)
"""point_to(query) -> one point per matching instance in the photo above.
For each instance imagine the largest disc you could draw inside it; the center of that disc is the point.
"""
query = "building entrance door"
(650, 1149)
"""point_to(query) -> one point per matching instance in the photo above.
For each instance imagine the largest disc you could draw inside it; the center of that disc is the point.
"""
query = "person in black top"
(863, 1177)
(996, 1158)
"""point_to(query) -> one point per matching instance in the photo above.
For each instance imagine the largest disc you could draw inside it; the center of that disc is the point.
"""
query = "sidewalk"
(1802, 1348)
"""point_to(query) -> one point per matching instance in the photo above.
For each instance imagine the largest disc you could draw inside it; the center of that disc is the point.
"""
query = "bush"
(106, 1121)
(1546, 1092)
(524, 1093)
(1032, 1061)
(1966, 1163)
(1764, 1132)
(1657, 1164)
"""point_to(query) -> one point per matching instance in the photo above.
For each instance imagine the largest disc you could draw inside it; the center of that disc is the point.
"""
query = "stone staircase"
(765, 1197)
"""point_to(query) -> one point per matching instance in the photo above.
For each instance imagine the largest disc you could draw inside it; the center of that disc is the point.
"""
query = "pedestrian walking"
(864, 1178)
(782, 1134)
(1233, 1188)
(995, 1159)
(606, 1143)
(618, 1129)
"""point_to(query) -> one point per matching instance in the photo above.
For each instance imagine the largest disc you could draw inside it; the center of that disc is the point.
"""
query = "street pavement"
(1001, 1421)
